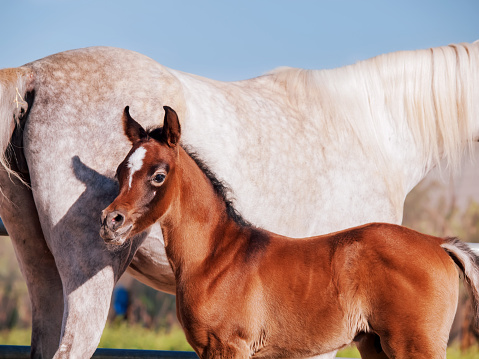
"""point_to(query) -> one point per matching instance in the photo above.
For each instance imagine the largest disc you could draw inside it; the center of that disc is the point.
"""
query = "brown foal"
(243, 292)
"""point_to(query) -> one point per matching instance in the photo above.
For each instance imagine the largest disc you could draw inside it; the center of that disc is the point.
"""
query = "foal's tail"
(468, 262)
(14, 85)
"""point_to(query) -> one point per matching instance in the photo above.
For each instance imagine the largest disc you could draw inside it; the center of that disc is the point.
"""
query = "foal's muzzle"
(113, 227)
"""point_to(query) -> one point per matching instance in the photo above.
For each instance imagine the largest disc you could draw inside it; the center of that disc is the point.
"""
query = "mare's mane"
(219, 187)
(432, 93)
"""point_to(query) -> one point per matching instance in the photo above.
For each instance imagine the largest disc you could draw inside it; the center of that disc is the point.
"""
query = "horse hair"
(468, 263)
(429, 91)
(220, 187)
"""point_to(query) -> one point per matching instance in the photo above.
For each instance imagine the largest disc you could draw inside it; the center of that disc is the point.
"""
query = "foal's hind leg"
(413, 345)
(20, 216)
(413, 334)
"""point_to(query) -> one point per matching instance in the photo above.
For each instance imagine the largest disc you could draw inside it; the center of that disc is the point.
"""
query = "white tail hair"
(434, 93)
(14, 84)
(468, 262)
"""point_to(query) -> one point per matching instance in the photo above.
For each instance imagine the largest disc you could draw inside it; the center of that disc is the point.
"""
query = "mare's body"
(245, 292)
(369, 132)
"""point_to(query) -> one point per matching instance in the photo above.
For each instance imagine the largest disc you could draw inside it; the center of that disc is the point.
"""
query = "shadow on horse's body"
(369, 132)
(244, 292)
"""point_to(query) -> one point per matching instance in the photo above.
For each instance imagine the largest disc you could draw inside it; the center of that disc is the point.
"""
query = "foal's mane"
(433, 93)
(220, 188)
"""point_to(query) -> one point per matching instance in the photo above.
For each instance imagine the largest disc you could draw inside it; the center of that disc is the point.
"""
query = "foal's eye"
(158, 178)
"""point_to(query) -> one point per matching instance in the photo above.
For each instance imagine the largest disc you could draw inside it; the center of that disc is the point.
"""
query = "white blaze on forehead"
(136, 161)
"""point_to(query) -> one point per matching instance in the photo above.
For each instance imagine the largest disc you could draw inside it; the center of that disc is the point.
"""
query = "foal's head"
(146, 178)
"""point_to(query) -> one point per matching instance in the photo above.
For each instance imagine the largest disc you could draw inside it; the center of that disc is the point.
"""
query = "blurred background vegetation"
(147, 318)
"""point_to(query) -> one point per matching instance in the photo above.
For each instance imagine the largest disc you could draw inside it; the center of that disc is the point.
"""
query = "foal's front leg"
(245, 353)
(229, 352)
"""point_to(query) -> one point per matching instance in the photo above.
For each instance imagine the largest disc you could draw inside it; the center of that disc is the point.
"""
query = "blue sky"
(233, 40)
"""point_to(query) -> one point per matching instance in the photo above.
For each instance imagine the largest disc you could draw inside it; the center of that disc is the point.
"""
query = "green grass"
(454, 352)
(349, 352)
(15, 337)
(122, 335)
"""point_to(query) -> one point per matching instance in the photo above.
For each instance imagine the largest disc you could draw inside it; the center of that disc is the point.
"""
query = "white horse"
(373, 130)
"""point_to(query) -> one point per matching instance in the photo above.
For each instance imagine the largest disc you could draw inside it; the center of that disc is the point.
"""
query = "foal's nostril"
(114, 220)
(117, 219)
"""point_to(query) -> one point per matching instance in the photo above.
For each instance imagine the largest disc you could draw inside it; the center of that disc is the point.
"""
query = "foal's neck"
(197, 226)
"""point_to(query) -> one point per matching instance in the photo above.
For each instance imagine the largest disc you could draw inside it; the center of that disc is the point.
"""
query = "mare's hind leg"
(369, 346)
(18, 211)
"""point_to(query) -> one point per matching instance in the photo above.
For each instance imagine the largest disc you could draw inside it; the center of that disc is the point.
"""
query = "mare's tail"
(468, 262)
(14, 85)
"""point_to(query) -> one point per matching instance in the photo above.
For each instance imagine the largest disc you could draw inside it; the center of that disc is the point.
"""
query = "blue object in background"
(120, 301)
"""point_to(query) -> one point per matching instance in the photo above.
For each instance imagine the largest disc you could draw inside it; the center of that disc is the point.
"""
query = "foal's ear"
(171, 130)
(133, 129)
